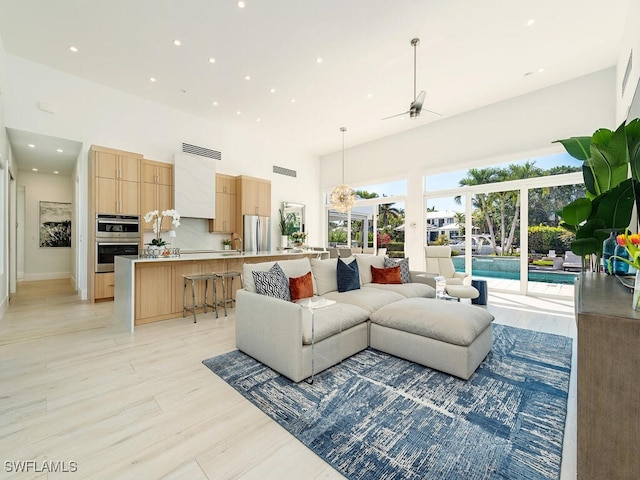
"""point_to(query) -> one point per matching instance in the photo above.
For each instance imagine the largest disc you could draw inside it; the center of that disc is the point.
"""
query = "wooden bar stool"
(193, 279)
(229, 277)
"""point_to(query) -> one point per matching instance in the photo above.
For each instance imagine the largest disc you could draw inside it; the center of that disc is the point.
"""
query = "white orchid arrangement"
(156, 218)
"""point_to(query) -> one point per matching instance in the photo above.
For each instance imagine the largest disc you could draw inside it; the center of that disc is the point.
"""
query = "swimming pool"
(563, 278)
(509, 268)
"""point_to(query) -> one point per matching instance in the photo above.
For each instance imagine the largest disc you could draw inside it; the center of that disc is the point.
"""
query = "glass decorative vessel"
(618, 266)
(636, 292)
(608, 249)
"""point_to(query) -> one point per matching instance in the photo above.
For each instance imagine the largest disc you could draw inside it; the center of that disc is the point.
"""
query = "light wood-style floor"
(75, 388)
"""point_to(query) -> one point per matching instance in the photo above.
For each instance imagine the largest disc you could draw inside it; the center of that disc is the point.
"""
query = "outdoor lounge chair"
(572, 262)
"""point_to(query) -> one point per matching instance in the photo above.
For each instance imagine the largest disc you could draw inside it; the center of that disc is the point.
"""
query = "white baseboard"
(83, 293)
(32, 277)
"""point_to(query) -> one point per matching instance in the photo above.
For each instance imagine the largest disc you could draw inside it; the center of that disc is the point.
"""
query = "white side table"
(313, 304)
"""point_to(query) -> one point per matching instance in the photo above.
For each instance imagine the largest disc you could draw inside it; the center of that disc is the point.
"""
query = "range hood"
(194, 180)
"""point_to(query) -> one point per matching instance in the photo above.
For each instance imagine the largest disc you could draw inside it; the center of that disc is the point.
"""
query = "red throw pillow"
(301, 287)
(386, 275)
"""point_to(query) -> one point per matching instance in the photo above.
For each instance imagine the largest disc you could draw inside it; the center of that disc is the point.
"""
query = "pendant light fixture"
(342, 198)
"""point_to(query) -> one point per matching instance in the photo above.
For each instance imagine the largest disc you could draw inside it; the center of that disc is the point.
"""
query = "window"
(506, 219)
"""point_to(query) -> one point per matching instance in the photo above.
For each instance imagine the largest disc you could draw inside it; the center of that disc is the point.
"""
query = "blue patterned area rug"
(376, 416)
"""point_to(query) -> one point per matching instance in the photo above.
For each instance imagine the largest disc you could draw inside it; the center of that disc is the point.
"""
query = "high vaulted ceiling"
(472, 53)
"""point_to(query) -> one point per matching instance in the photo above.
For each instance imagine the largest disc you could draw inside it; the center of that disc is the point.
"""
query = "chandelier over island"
(342, 197)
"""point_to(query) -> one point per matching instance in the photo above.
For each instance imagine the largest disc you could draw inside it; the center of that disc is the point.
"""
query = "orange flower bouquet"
(631, 243)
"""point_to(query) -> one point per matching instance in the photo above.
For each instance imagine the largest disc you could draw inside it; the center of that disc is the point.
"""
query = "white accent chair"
(439, 263)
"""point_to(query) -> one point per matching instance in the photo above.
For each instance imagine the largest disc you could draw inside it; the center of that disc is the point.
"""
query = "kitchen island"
(151, 289)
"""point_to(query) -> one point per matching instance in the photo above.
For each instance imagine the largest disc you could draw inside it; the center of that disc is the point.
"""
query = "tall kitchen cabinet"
(116, 181)
(253, 198)
(608, 387)
(226, 198)
(114, 188)
(156, 191)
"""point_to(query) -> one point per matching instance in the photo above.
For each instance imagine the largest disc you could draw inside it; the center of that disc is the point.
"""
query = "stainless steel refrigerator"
(257, 233)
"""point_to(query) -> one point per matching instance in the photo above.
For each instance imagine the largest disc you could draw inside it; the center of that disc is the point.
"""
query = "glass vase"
(608, 249)
(636, 292)
(619, 267)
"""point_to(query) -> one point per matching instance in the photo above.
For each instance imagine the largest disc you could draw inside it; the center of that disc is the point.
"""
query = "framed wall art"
(55, 224)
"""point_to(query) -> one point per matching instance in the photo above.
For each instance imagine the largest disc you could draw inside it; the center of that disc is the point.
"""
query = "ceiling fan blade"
(431, 111)
(417, 103)
(397, 115)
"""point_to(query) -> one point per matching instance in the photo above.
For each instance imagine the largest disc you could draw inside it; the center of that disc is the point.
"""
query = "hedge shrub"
(543, 238)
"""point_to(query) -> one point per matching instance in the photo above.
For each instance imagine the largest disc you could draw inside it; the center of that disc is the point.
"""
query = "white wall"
(4, 194)
(510, 130)
(630, 41)
(94, 114)
(44, 263)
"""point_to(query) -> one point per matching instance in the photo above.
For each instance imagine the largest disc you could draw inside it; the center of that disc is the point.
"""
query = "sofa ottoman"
(451, 337)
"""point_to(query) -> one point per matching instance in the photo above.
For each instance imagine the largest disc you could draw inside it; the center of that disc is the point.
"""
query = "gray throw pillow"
(405, 273)
(273, 283)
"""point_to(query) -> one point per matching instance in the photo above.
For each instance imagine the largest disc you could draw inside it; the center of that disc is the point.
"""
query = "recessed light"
(293, 100)
(31, 145)
(215, 104)
(369, 95)
(238, 112)
(530, 22)
(73, 49)
(247, 77)
(56, 172)
(319, 60)
(212, 60)
(240, 4)
(272, 90)
(59, 150)
(540, 70)
(177, 43)
(34, 169)
(152, 79)
(258, 120)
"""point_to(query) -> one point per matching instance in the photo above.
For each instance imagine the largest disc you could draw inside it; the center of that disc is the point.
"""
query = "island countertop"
(152, 289)
(222, 255)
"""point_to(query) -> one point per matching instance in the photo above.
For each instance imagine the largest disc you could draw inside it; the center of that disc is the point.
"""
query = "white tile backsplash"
(192, 234)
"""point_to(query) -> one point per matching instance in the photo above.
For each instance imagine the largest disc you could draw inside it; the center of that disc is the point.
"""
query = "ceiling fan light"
(342, 198)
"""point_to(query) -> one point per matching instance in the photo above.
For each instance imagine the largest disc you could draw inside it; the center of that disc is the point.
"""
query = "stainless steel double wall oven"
(115, 235)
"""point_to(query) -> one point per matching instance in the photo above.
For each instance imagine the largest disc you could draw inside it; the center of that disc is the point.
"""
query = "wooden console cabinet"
(608, 380)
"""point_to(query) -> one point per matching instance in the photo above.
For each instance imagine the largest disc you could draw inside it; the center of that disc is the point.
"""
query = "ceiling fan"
(416, 106)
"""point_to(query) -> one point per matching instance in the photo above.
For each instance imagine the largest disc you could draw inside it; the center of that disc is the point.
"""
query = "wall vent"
(284, 171)
(203, 152)
(627, 72)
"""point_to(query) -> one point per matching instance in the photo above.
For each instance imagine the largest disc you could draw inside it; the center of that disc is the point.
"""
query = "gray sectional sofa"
(285, 335)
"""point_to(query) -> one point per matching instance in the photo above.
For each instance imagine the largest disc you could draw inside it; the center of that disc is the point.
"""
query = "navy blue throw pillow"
(348, 276)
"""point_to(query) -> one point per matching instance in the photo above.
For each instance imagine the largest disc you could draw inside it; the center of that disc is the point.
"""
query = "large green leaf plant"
(608, 157)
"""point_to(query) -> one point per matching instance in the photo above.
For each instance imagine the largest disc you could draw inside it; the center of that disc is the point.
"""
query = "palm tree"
(481, 201)
(363, 194)
(517, 172)
(460, 219)
(386, 210)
